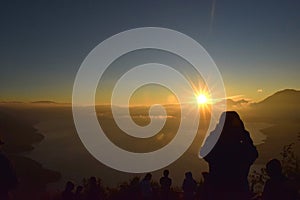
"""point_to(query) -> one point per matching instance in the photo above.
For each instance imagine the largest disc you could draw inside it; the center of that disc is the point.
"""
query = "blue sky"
(255, 44)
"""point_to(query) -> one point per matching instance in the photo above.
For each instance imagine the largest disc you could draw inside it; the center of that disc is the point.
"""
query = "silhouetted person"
(146, 188)
(8, 178)
(93, 191)
(230, 159)
(68, 193)
(165, 183)
(277, 187)
(134, 188)
(204, 188)
(189, 186)
(79, 193)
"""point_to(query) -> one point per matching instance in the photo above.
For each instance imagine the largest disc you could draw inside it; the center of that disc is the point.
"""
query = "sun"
(202, 99)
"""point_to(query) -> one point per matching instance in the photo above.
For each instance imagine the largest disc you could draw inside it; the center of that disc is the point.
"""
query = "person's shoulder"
(161, 179)
(246, 133)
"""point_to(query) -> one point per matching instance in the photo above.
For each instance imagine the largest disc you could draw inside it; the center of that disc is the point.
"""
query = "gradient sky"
(255, 44)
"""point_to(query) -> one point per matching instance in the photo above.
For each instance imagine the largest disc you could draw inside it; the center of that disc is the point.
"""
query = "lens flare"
(202, 99)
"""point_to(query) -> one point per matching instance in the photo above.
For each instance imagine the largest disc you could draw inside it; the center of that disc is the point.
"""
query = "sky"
(255, 44)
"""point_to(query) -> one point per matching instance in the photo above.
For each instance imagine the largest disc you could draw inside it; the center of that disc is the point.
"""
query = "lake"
(62, 151)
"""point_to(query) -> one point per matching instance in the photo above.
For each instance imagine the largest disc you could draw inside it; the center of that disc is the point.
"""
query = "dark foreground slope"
(19, 137)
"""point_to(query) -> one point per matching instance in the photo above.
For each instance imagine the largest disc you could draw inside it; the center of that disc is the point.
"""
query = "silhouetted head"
(79, 189)
(231, 120)
(148, 176)
(166, 173)
(188, 175)
(93, 180)
(135, 181)
(274, 168)
(69, 186)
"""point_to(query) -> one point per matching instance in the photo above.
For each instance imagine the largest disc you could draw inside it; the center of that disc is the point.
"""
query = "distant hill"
(283, 97)
(281, 106)
(12, 102)
(44, 102)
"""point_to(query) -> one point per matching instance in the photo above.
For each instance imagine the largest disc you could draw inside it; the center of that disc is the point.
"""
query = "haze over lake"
(62, 151)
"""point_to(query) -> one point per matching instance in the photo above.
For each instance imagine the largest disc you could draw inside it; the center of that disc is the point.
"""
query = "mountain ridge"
(284, 96)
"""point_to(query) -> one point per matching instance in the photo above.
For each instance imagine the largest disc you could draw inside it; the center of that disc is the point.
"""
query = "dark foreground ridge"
(18, 137)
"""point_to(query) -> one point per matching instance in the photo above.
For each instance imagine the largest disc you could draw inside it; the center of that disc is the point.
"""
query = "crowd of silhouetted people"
(136, 189)
(229, 162)
(277, 187)
(91, 190)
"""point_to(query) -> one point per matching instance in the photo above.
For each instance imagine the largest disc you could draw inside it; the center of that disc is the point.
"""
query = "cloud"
(260, 90)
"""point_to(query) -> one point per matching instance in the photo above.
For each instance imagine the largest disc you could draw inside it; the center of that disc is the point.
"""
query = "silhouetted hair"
(274, 168)
(166, 172)
(148, 176)
(188, 175)
(79, 189)
(231, 120)
(69, 186)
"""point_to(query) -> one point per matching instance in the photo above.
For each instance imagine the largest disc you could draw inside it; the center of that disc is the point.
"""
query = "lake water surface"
(62, 151)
